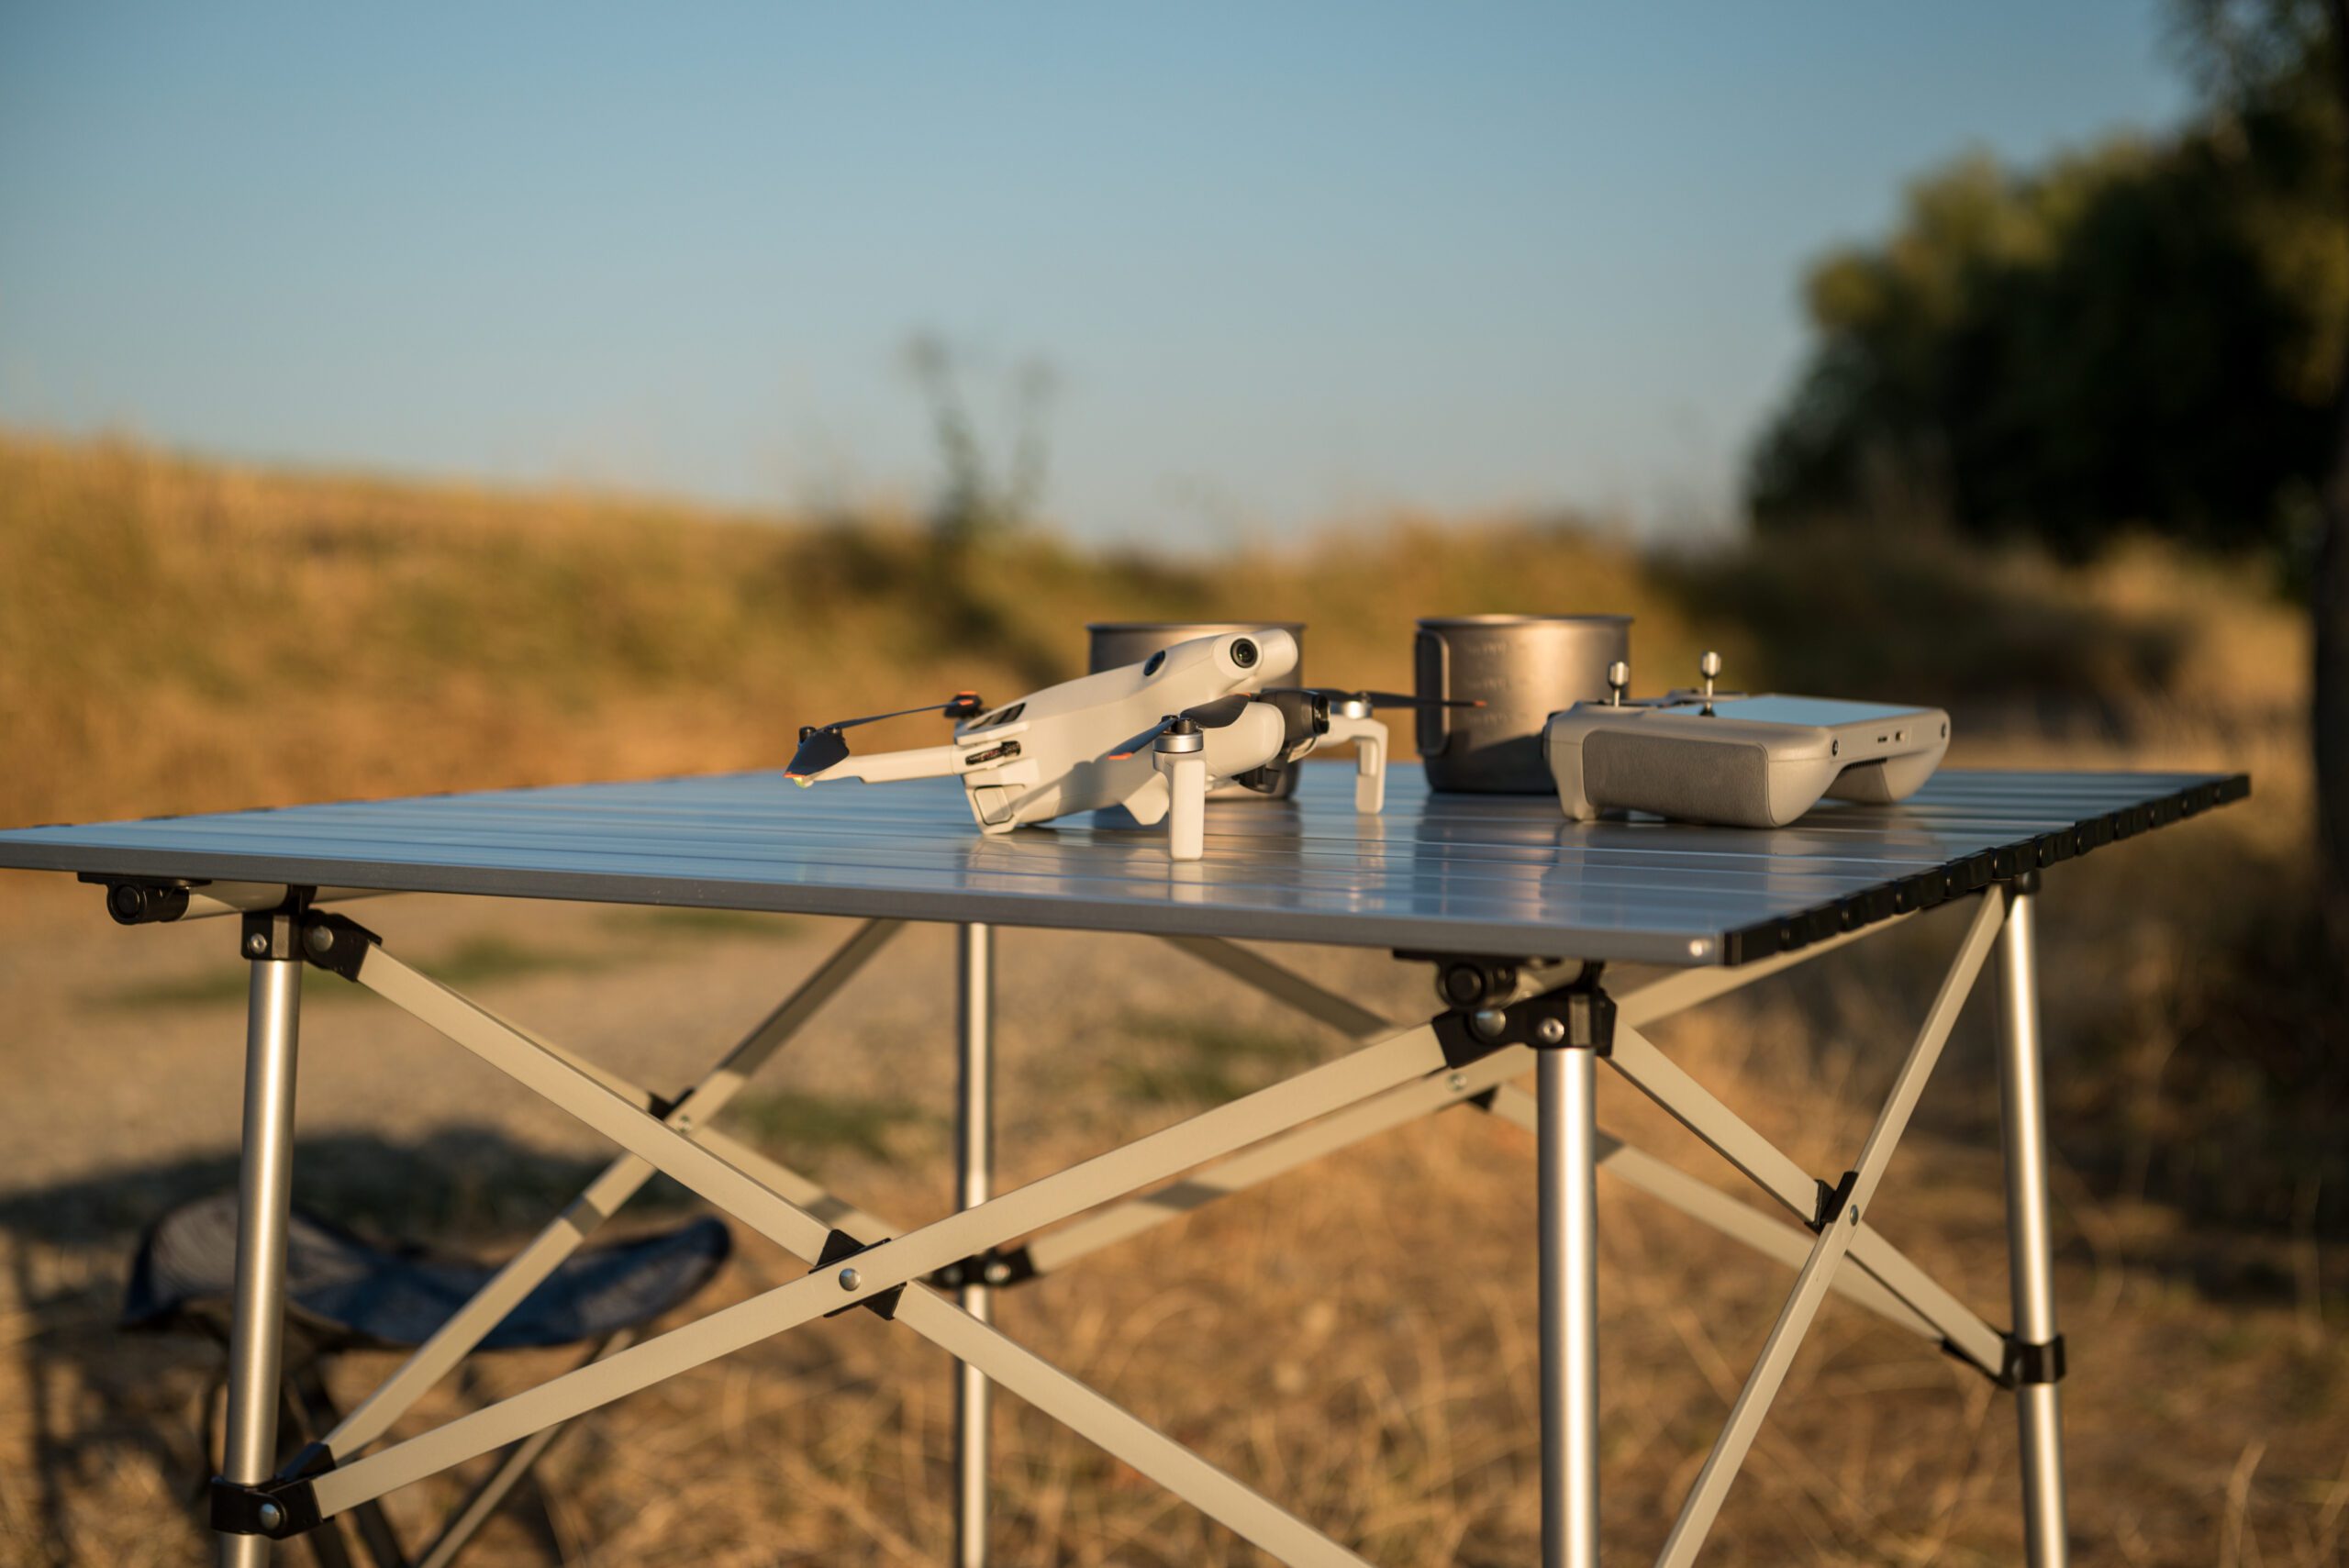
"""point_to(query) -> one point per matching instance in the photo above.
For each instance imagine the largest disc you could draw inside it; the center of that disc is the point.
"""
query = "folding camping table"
(1530, 919)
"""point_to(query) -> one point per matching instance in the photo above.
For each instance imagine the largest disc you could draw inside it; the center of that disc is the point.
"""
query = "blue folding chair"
(344, 1293)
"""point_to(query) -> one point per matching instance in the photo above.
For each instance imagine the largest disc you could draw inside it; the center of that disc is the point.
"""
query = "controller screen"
(1809, 710)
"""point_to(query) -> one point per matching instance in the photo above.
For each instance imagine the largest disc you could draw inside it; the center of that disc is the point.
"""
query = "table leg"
(264, 1188)
(2022, 1098)
(1565, 1089)
(975, 1119)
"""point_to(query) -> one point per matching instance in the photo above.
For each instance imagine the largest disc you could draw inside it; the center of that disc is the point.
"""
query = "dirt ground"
(1356, 1341)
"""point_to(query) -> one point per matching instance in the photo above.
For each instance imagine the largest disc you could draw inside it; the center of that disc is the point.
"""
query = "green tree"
(2276, 72)
(2152, 335)
(2147, 335)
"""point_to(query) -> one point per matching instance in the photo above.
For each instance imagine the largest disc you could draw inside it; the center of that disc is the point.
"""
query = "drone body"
(1153, 737)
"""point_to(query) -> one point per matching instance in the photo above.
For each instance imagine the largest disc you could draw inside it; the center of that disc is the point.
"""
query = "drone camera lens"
(1150, 666)
(1244, 653)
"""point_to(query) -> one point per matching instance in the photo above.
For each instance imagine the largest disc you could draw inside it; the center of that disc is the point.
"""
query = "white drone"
(1206, 718)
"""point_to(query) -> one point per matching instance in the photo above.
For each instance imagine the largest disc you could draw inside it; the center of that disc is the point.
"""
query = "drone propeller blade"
(1213, 714)
(961, 704)
(819, 749)
(1401, 699)
(1220, 712)
(1370, 699)
(1125, 749)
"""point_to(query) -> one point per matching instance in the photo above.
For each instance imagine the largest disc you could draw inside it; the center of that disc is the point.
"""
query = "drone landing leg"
(1368, 738)
(1186, 817)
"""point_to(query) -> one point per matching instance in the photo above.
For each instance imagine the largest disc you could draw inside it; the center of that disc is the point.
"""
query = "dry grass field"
(1357, 1340)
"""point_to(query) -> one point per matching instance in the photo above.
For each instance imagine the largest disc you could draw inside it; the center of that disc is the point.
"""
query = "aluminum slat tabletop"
(1460, 873)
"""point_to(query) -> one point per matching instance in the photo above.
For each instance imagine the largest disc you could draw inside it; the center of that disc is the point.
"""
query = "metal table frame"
(930, 1278)
(1557, 1019)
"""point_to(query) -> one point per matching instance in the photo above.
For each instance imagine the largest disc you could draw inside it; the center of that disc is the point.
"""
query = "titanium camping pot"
(1116, 642)
(1523, 669)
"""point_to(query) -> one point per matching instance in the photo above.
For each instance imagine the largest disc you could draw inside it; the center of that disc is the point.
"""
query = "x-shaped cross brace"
(1401, 1075)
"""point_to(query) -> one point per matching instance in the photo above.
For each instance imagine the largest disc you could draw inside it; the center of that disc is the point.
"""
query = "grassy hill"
(178, 635)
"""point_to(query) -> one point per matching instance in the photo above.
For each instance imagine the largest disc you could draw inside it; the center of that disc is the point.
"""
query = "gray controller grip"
(1698, 781)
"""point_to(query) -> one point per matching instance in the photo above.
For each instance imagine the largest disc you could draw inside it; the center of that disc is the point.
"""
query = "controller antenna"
(1619, 681)
(1710, 666)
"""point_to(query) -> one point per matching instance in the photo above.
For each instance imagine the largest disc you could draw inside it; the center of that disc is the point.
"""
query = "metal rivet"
(1855, 1214)
(1490, 1022)
(257, 945)
(1459, 1083)
(270, 1516)
(1698, 947)
(850, 1279)
(1551, 1030)
(997, 1272)
(317, 939)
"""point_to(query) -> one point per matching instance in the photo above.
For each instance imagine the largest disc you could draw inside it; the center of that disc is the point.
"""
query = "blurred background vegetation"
(2145, 339)
(2147, 335)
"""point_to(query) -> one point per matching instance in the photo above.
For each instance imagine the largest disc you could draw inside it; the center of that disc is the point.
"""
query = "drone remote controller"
(1735, 759)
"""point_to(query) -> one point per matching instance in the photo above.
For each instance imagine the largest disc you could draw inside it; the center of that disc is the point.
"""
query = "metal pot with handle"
(1522, 668)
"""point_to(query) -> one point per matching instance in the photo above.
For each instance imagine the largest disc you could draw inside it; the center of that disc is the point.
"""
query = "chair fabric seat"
(348, 1293)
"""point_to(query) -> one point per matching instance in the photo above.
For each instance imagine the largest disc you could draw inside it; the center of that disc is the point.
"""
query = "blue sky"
(1289, 263)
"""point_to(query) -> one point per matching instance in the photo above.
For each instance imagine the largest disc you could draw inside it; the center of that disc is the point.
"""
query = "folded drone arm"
(881, 767)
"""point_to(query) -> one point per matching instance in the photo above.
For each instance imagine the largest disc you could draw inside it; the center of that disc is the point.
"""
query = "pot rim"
(1525, 620)
(1202, 626)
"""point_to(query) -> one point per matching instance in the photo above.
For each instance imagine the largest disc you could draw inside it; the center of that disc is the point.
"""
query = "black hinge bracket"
(337, 943)
(1580, 1016)
(274, 936)
(839, 1248)
(144, 900)
(1466, 980)
(995, 1268)
(1829, 1206)
(2030, 1365)
(284, 1504)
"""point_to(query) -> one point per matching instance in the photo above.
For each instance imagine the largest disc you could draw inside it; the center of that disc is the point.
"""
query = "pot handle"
(1431, 675)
